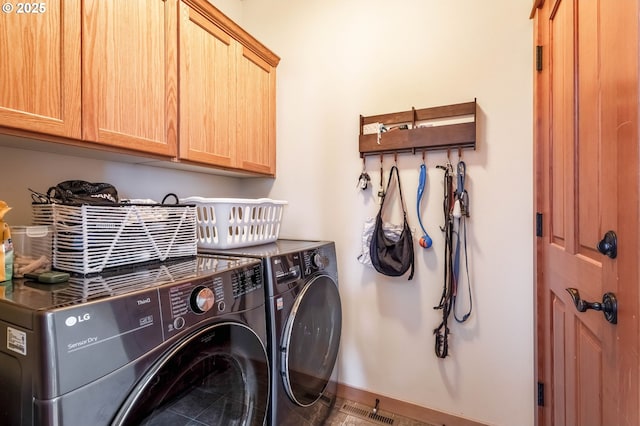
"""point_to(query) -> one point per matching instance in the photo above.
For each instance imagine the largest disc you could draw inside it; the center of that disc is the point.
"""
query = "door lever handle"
(609, 305)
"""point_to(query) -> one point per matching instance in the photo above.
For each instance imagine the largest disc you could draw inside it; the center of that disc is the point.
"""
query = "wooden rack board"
(439, 136)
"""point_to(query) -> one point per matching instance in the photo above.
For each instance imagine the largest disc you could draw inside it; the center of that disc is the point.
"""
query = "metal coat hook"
(460, 153)
(395, 158)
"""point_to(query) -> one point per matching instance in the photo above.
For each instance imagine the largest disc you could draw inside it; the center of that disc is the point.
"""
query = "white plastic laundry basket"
(225, 223)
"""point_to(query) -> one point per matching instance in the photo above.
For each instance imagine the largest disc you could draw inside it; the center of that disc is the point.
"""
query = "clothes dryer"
(173, 343)
(304, 321)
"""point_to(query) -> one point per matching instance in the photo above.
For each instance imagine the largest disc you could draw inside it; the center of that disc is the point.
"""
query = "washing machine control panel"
(187, 303)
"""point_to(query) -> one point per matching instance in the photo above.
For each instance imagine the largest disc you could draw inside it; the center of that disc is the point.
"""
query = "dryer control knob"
(202, 299)
(319, 261)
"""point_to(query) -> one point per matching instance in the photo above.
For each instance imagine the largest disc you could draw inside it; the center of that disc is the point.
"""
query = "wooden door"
(256, 113)
(586, 133)
(129, 71)
(208, 100)
(40, 67)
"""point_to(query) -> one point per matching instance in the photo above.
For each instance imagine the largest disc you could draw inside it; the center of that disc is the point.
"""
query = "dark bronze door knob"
(609, 245)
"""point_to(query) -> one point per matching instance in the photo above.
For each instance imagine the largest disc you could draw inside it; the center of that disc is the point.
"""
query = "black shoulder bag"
(389, 257)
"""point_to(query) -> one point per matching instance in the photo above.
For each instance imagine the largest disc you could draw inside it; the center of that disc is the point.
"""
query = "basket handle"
(171, 194)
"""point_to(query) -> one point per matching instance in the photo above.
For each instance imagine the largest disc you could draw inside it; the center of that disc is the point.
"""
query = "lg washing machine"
(173, 343)
(304, 321)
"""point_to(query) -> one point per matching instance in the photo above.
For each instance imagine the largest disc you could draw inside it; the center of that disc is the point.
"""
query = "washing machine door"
(311, 340)
(217, 376)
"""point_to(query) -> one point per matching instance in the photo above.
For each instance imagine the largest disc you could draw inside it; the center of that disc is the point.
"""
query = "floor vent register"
(366, 414)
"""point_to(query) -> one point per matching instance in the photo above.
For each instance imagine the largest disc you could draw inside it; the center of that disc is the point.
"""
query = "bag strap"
(397, 174)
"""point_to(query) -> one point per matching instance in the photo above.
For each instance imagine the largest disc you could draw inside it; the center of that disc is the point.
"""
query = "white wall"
(22, 169)
(231, 8)
(341, 59)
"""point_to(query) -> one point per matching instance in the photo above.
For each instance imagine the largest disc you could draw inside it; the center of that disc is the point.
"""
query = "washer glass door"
(311, 340)
(217, 376)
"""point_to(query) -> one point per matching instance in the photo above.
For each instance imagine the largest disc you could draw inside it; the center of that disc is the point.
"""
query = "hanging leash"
(460, 213)
(446, 299)
(425, 240)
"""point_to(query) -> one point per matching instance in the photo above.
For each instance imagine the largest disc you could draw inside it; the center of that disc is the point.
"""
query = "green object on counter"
(49, 277)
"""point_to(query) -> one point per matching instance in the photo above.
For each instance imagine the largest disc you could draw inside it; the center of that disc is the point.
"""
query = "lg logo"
(71, 321)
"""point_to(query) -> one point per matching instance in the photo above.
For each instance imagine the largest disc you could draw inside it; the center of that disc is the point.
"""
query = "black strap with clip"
(446, 299)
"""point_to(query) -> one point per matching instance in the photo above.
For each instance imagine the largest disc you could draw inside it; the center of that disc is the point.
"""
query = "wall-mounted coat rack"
(438, 128)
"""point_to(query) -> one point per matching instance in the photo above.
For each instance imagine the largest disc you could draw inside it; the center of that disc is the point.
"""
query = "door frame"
(627, 331)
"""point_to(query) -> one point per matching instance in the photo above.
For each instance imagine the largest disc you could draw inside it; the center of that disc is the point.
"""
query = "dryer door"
(311, 340)
(217, 376)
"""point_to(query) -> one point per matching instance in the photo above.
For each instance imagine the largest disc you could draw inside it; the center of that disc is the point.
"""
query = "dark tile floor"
(359, 415)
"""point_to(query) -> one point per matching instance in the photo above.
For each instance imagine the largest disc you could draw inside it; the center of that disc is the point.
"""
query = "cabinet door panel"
(130, 74)
(256, 114)
(207, 91)
(40, 76)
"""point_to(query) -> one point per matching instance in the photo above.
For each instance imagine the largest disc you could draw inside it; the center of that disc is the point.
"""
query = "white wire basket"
(225, 223)
(88, 239)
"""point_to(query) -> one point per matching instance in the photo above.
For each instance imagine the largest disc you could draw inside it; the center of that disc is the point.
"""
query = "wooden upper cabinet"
(129, 74)
(40, 67)
(227, 93)
(119, 73)
(256, 113)
(207, 91)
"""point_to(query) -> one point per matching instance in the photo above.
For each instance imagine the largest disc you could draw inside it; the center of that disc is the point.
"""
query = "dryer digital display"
(287, 268)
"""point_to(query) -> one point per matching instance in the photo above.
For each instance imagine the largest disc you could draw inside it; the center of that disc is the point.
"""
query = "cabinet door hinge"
(540, 394)
(538, 58)
(538, 224)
